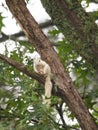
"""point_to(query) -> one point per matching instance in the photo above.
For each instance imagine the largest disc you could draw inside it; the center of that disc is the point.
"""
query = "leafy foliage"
(1, 23)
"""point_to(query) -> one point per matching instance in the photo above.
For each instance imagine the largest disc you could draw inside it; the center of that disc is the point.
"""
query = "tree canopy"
(74, 101)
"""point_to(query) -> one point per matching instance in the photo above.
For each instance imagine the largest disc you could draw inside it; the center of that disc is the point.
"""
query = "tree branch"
(59, 109)
(22, 68)
(15, 36)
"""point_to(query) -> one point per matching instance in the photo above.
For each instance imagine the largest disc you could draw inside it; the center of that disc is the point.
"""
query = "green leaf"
(54, 32)
(1, 23)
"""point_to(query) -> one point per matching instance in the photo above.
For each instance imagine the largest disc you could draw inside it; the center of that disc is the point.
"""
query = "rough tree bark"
(78, 27)
(66, 88)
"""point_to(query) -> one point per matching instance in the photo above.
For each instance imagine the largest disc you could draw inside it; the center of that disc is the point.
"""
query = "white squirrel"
(41, 67)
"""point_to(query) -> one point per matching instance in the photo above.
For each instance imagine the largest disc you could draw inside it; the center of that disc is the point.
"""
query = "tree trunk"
(78, 27)
(66, 88)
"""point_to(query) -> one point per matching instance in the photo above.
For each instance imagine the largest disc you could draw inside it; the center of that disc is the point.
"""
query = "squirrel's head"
(36, 60)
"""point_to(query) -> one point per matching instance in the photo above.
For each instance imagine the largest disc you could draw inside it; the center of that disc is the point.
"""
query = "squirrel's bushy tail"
(48, 90)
